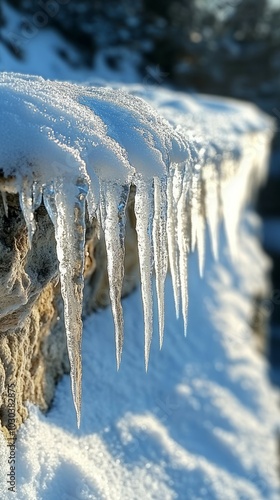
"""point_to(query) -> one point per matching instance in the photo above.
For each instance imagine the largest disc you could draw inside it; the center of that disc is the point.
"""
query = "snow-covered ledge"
(90, 178)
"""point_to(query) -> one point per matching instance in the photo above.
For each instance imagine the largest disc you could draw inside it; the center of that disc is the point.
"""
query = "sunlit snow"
(81, 148)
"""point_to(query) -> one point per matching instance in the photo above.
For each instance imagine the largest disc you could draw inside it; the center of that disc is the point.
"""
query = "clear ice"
(68, 217)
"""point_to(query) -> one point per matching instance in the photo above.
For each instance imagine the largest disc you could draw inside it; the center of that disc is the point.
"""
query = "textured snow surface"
(199, 425)
(80, 148)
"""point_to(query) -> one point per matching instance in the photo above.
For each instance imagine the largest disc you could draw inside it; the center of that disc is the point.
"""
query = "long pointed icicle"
(183, 222)
(160, 248)
(68, 216)
(212, 205)
(113, 206)
(228, 186)
(200, 230)
(172, 246)
(194, 210)
(143, 212)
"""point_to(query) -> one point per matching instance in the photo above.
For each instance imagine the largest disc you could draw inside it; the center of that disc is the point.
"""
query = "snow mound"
(80, 148)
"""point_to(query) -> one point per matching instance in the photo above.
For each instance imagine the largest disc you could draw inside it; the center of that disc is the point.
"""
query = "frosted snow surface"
(81, 148)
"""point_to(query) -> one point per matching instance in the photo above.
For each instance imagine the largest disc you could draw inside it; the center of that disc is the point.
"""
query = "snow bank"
(81, 148)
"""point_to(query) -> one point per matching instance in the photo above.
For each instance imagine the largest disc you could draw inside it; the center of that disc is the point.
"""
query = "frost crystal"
(78, 148)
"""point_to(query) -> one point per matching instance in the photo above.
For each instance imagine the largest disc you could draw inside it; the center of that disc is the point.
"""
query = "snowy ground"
(200, 424)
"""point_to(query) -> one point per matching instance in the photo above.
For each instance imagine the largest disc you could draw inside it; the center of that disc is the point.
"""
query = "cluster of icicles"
(192, 179)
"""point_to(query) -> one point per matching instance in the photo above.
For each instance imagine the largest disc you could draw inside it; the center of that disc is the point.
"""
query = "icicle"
(5, 204)
(26, 204)
(160, 248)
(194, 210)
(37, 193)
(113, 206)
(65, 204)
(99, 224)
(200, 230)
(122, 213)
(93, 196)
(230, 190)
(143, 212)
(183, 221)
(211, 183)
(172, 242)
(177, 184)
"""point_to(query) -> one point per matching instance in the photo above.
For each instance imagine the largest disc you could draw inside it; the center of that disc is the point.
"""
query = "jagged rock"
(33, 351)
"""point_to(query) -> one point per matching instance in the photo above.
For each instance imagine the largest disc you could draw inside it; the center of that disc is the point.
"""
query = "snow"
(200, 424)
(85, 146)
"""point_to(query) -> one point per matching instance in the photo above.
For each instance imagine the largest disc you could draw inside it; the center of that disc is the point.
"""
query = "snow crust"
(80, 148)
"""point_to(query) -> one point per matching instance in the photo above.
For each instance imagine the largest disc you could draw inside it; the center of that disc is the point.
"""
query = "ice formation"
(81, 148)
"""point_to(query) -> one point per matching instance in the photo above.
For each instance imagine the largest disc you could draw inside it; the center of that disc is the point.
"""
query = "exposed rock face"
(33, 352)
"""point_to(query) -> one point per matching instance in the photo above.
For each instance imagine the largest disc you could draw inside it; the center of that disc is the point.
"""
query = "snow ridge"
(81, 148)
